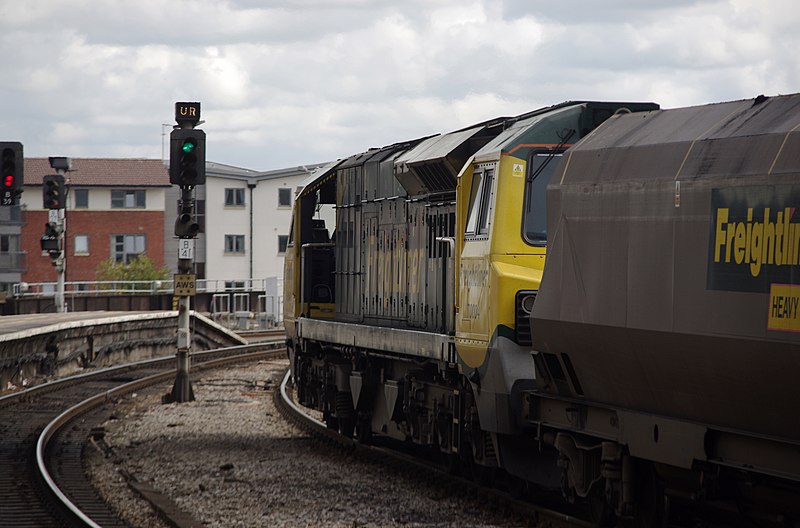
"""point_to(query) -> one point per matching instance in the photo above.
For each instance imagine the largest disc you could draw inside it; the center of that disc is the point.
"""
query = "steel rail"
(522, 507)
(55, 426)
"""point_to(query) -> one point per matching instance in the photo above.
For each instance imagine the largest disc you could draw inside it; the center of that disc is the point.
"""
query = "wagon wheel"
(652, 506)
(602, 511)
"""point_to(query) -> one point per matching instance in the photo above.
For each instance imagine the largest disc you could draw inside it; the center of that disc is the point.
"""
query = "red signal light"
(8, 181)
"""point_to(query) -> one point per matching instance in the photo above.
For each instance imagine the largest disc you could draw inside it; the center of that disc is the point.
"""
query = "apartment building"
(115, 209)
(247, 218)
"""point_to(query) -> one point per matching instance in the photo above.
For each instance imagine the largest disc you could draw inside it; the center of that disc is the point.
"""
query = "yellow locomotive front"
(501, 239)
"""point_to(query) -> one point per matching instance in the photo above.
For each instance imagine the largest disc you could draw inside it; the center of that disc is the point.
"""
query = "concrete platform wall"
(45, 345)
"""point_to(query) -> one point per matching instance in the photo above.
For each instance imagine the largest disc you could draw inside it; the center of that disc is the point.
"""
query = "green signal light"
(188, 147)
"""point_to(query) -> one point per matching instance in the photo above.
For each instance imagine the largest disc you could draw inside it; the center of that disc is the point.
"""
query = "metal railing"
(230, 299)
(80, 288)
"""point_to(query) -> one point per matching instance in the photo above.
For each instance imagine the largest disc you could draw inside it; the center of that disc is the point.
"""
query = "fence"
(242, 303)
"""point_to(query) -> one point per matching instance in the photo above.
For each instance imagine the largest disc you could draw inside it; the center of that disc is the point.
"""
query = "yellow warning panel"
(185, 285)
(784, 307)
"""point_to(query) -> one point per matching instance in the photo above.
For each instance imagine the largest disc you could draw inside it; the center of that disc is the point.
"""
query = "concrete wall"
(63, 348)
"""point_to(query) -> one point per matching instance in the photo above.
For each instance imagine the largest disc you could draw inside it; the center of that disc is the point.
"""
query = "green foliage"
(139, 269)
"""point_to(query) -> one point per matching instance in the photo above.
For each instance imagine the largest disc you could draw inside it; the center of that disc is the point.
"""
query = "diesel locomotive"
(640, 365)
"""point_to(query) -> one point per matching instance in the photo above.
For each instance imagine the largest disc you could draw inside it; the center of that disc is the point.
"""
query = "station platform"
(55, 344)
(21, 326)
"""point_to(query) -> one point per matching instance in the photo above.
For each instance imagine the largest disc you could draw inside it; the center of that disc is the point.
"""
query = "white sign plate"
(186, 248)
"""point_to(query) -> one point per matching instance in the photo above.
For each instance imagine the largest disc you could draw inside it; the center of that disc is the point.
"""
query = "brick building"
(115, 209)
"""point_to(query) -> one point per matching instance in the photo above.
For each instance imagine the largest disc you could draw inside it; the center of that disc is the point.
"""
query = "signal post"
(54, 198)
(187, 168)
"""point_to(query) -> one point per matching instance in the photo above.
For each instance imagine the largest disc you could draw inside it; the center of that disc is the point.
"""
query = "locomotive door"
(473, 319)
(440, 294)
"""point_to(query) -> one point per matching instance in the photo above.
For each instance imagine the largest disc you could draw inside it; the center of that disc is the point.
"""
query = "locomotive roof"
(316, 178)
(563, 124)
(751, 136)
(520, 126)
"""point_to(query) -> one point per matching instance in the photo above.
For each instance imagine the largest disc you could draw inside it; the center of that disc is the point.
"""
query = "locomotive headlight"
(523, 308)
(526, 303)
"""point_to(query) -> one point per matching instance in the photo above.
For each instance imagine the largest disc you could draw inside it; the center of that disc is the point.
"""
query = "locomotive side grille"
(523, 307)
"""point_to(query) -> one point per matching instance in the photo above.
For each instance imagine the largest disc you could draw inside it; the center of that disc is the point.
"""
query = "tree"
(138, 269)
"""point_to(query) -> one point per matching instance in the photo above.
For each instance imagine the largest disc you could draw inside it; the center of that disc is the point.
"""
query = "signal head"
(11, 171)
(187, 158)
(53, 192)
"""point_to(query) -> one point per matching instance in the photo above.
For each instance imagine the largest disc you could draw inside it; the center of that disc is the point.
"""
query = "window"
(479, 203)
(128, 199)
(541, 166)
(81, 244)
(234, 197)
(81, 198)
(234, 243)
(9, 243)
(283, 241)
(11, 258)
(284, 197)
(126, 248)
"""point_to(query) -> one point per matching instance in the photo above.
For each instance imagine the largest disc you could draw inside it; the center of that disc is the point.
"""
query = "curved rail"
(386, 455)
(53, 428)
(290, 402)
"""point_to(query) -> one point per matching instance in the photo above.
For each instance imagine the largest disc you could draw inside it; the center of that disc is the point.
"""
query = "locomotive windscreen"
(541, 167)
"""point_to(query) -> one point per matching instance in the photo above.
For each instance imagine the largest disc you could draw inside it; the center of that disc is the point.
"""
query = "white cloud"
(285, 83)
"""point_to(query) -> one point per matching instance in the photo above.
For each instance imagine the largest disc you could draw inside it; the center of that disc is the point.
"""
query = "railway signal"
(11, 171)
(53, 191)
(187, 168)
(187, 157)
(185, 224)
(51, 240)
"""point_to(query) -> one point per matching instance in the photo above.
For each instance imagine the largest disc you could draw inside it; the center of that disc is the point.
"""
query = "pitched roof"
(103, 172)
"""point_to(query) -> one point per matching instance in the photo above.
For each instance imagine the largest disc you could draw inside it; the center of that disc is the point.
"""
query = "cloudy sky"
(285, 83)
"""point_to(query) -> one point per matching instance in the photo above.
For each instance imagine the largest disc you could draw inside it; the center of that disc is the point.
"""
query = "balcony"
(13, 261)
(11, 215)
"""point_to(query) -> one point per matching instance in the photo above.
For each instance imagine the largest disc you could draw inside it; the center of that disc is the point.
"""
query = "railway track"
(504, 500)
(540, 510)
(43, 431)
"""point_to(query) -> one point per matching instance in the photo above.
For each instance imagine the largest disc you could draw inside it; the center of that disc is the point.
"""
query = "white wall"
(221, 221)
(269, 221)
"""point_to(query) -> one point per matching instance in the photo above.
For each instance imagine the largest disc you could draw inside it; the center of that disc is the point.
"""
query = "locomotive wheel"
(364, 432)
(345, 413)
(347, 426)
(515, 486)
(483, 475)
(652, 509)
(602, 512)
(451, 463)
(330, 421)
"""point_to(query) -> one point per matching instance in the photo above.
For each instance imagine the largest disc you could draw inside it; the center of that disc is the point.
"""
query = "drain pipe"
(251, 186)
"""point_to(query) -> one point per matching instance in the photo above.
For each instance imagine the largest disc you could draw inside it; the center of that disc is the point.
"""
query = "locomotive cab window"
(479, 203)
(541, 167)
